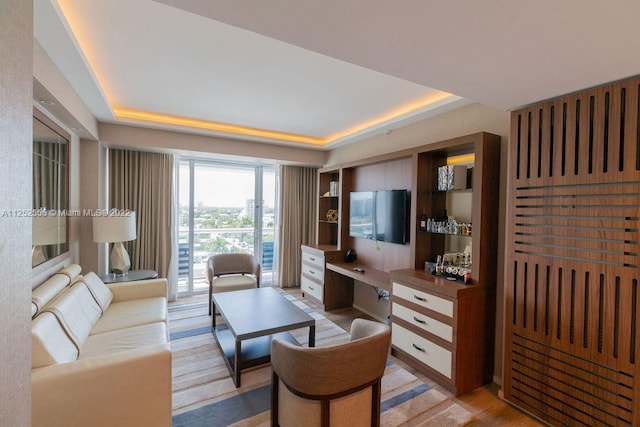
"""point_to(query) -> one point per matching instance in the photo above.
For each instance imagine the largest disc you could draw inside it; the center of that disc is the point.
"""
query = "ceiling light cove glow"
(405, 109)
(462, 158)
(122, 113)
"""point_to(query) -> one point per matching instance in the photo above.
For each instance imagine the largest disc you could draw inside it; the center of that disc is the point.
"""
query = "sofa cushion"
(124, 339)
(125, 314)
(77, 312)
(72, 271)
(101, 293)
(47, 291)
(49, 342)
(232, 282)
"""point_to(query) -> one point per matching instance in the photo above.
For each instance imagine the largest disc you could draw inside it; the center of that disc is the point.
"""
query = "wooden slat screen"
(571, 329)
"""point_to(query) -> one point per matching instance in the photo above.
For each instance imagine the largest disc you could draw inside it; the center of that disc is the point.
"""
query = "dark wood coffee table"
(253, 318)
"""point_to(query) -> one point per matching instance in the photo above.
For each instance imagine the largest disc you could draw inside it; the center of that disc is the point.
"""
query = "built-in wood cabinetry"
(443, 328)
(321, 285)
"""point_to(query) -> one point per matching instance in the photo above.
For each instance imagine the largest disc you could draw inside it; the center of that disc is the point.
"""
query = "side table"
(131, 276)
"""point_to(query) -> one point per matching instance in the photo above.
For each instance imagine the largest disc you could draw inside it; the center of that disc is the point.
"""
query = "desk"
(132, 275)
(339, 278)
(370, 276)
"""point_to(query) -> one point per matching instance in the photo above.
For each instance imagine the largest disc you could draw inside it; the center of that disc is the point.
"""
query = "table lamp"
(116, 229)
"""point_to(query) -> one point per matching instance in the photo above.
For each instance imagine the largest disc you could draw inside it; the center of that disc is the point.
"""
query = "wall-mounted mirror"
(50, 189)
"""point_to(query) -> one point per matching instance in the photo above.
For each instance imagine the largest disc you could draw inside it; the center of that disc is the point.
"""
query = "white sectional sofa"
(100, 353)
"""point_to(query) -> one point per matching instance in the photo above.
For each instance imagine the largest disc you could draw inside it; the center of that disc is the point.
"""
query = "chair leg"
(325, 413)
(210, 302)
(274, 399)
(375, 403)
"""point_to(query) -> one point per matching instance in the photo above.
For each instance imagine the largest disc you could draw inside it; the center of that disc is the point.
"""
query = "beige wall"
(463, 121)
(16, 17)
(49, 82)
(91, 196)
(155, 139)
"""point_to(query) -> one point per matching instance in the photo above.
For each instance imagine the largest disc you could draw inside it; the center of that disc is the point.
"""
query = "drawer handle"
(420, 298)
(312, 258)
(419, 320)
(312, 272)
(418, 348)
(311, 288)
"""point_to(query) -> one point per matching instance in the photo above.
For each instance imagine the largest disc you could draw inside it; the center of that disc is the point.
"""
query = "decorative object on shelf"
(423, 222)
(333, 188)
(452, 177)
(332, 215)
(452, 266)
(116, 229)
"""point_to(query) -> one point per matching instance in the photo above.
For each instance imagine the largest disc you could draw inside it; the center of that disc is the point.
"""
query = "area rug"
(204, 394)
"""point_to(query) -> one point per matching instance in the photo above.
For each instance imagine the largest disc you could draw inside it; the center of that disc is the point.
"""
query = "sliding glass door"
(224, 208)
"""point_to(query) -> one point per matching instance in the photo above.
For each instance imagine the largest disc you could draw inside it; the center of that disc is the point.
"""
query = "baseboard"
(497, 379)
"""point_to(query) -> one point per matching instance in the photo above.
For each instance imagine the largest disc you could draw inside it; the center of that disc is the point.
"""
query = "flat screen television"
(379, 215)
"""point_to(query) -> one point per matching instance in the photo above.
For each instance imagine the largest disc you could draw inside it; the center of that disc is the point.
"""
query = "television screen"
(361, 214)
(390, 216)
(379, 215)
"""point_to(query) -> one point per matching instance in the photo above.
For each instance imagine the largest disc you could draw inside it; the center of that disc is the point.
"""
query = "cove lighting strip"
(463, 158)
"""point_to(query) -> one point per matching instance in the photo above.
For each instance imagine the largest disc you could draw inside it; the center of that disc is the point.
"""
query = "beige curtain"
(298, 206)
(143, 182)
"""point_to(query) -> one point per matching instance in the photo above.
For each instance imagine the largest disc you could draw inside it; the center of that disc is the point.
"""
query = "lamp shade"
(112, 228)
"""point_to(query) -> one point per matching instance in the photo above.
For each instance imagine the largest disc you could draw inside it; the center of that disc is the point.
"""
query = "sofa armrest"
(131, 388)
(124, 291)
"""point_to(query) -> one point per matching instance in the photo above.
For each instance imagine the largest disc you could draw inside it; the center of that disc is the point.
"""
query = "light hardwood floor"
(484, 403)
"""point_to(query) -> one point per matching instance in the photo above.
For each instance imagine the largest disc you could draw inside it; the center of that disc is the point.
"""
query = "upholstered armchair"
(336, 385)
(232, 272)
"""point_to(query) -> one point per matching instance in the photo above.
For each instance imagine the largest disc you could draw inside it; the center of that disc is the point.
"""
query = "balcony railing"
(208, 242)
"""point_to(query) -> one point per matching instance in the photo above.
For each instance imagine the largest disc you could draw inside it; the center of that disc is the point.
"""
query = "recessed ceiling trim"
(403, 111)
(143, 116)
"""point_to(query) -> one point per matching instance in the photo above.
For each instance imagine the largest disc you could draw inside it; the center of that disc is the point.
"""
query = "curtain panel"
(143, 182)
(298, 206)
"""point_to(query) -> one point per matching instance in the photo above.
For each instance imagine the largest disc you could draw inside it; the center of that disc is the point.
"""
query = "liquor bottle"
(423, 222)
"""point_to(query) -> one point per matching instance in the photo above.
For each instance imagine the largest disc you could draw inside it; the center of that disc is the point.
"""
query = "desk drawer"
(424, 299)
(312, 288)
(432, 355)
(313, 259)
(423, 322)
(313, 271)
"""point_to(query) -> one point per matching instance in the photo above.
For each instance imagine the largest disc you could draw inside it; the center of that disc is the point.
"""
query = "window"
(219, 213)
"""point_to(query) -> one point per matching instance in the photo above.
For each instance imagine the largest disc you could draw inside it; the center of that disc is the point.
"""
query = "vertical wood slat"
(572, 233)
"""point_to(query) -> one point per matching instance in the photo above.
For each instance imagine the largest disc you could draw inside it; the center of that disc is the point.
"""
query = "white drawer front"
(313, 271)
(313, 259)
(430, 354)
(427, 300)
(309, 286)
(424, 322)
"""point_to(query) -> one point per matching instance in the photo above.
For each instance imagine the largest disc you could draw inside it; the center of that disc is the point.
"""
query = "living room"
(87, 179)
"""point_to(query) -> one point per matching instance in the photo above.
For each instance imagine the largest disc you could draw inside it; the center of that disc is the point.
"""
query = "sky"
(224, 186)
